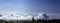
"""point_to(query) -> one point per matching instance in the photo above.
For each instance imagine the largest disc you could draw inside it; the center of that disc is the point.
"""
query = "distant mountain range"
(19, 16)
(14, 16)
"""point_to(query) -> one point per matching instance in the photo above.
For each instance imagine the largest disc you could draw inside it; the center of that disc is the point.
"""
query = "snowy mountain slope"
(19, 16)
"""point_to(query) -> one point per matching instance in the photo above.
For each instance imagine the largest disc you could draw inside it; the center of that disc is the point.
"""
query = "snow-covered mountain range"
(20, 16)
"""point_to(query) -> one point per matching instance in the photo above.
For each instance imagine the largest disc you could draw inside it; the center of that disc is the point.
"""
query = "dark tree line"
(33, 21)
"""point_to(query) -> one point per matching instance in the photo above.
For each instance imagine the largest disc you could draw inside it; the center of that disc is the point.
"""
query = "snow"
(21, 16)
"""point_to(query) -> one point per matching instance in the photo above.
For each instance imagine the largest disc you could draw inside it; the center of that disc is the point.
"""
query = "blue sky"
(52, 7)
(35, 6)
